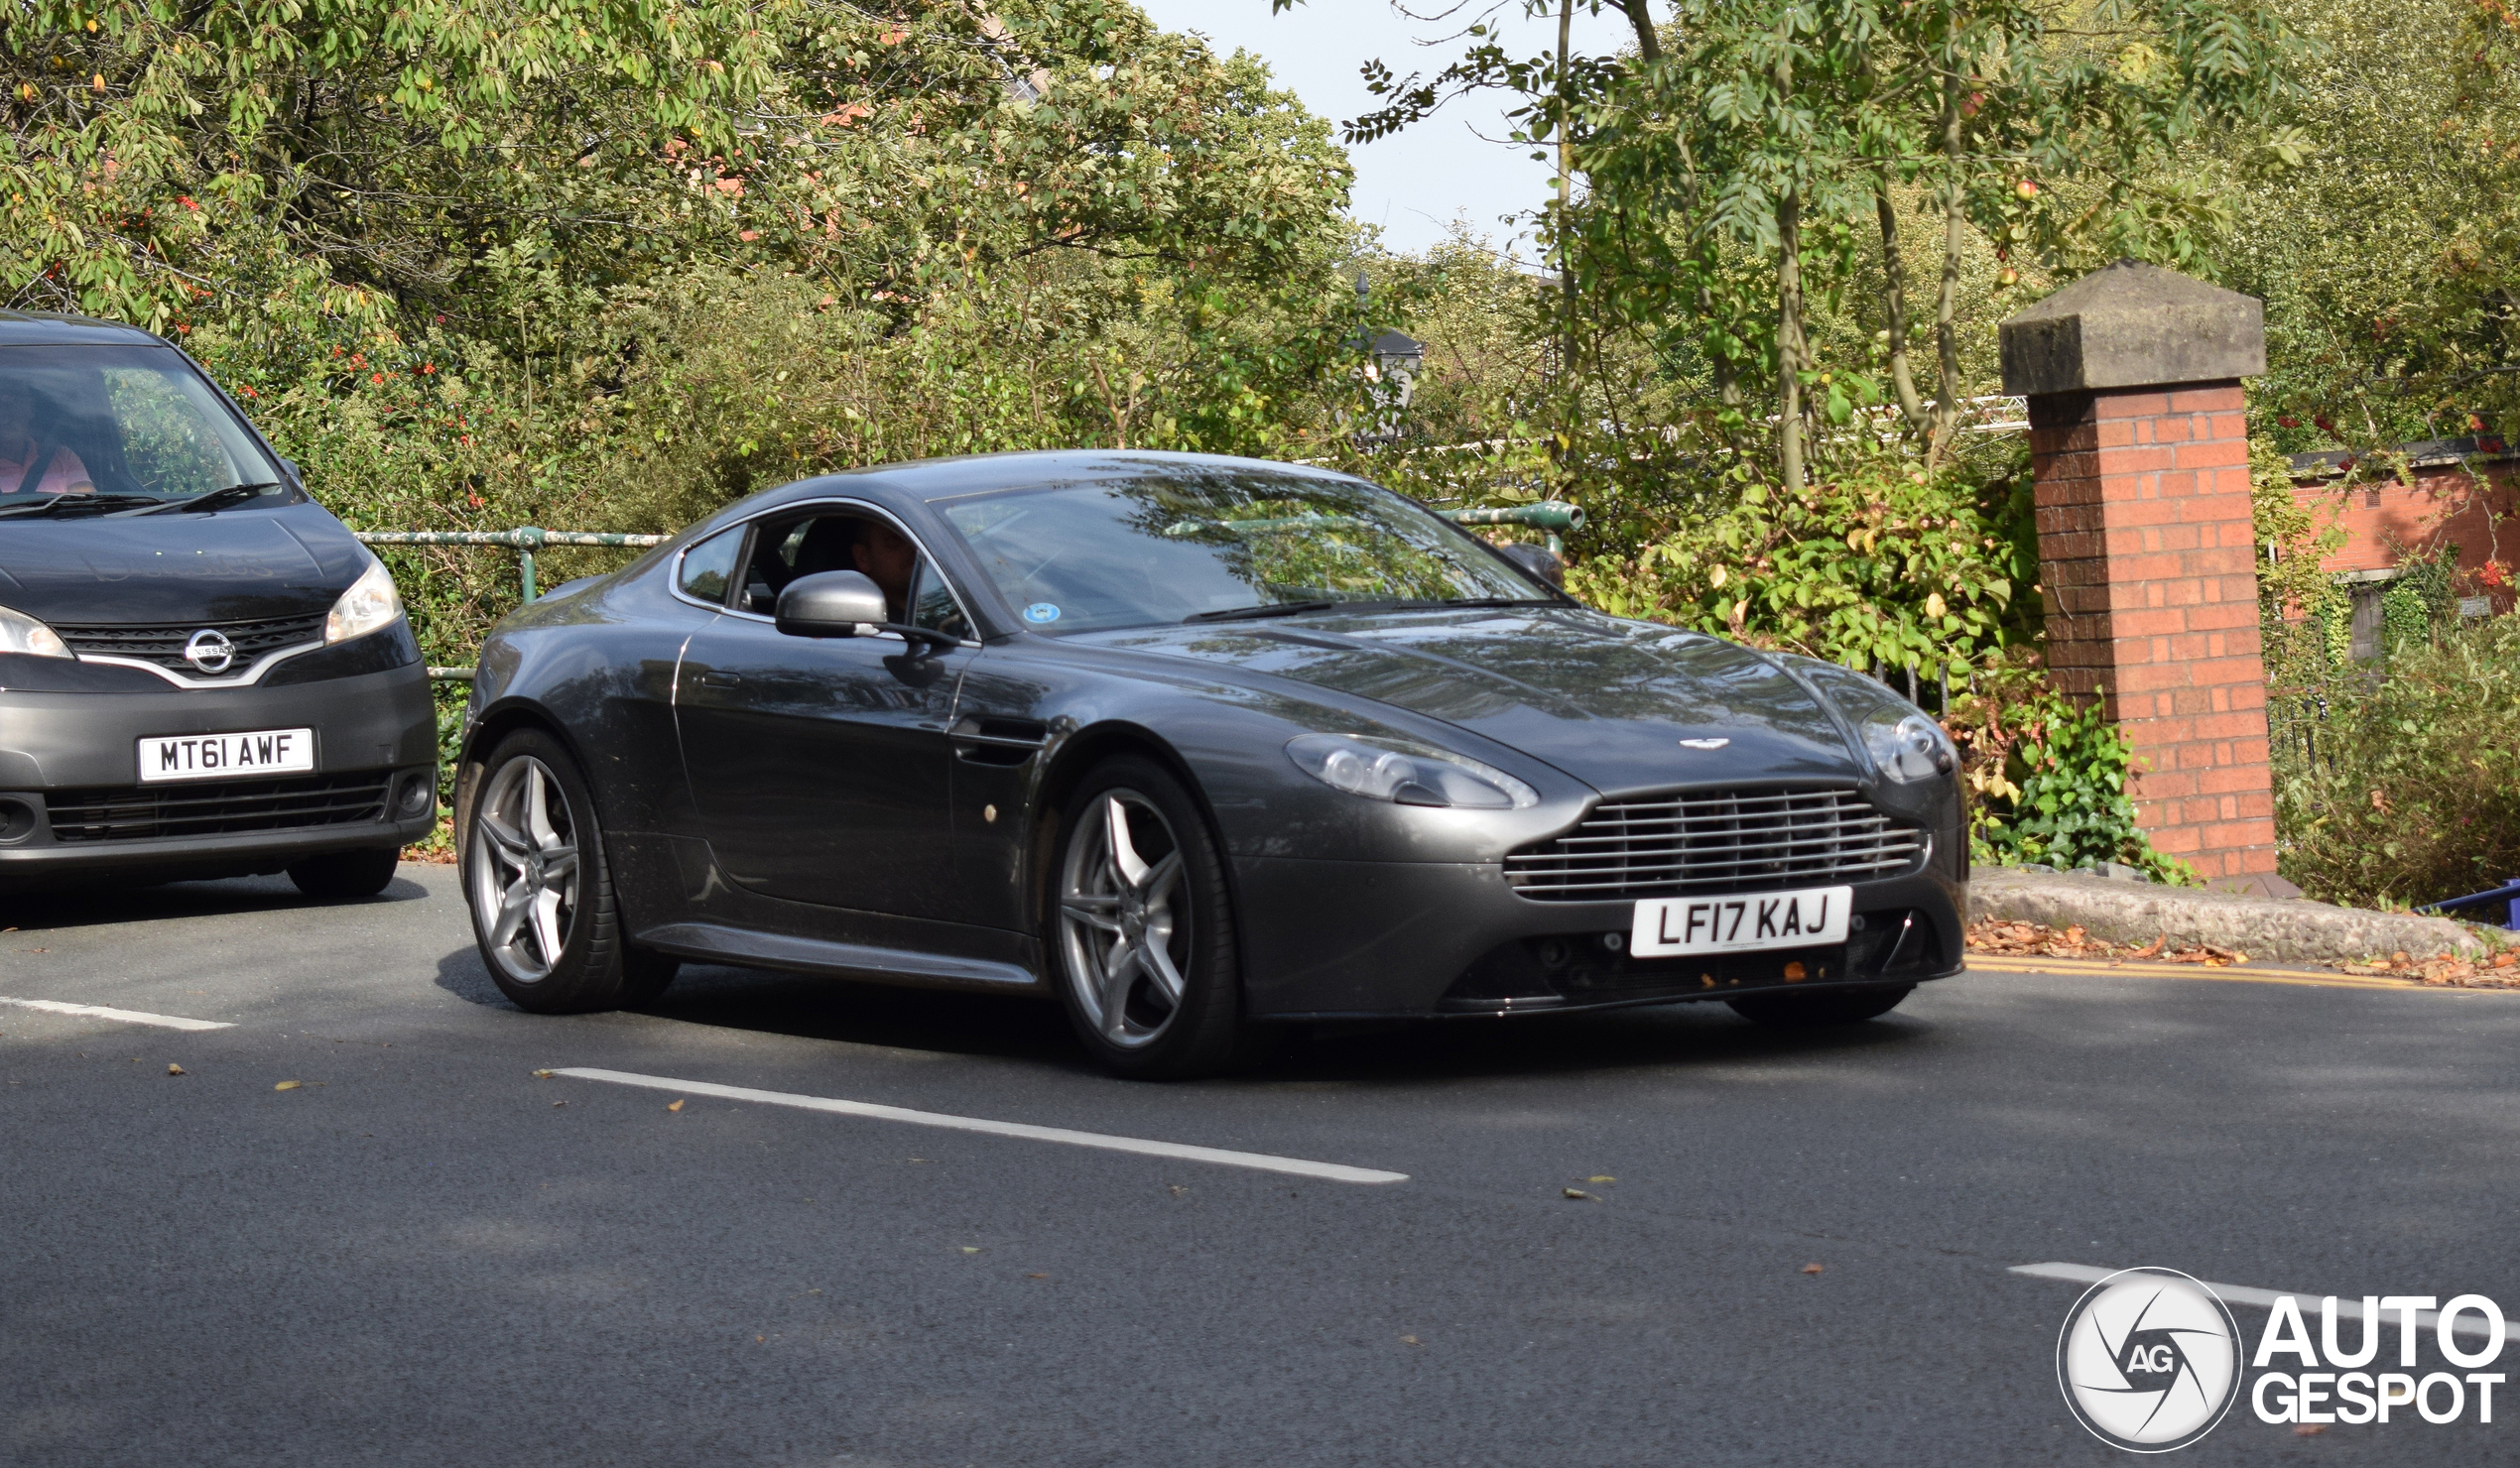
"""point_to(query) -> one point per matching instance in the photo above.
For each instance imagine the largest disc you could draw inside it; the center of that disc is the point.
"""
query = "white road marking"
(2349, 1307)
(1262, 1162)
(128, 1017)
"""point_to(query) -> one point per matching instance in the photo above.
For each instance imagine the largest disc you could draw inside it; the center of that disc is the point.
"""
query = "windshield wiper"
(79, 502)
(1266, 609)
(215, 500)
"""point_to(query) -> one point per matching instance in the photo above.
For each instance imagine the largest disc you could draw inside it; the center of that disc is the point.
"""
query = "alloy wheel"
(525, 869)
(1124, 919)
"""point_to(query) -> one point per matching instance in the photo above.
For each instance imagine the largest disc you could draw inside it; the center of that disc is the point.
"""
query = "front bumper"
(1331, 939)
(67, 761)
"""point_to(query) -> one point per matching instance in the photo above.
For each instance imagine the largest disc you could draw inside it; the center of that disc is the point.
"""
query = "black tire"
(1187, 930)
(1827, 1007)
(345, 874)
(507, 851)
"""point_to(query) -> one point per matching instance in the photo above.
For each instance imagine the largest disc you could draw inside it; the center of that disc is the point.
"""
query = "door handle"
(715, 679)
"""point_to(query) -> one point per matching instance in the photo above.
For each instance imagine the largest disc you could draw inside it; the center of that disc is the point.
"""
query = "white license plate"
(212, 756)
(1810, 918)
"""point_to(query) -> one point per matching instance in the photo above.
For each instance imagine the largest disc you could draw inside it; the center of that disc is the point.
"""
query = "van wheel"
(540, 893)
(345, 874)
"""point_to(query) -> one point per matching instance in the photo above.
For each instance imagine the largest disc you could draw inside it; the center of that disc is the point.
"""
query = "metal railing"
(1554, 517)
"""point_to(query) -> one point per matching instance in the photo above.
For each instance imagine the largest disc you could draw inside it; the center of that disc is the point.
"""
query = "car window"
(933, 606)
(708, 568)
(134, 421)
(1195, 542)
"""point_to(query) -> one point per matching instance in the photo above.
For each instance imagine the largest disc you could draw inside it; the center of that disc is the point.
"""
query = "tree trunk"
(1946, 342)
(1895, 305)
(1566, 197)
(1789, 340)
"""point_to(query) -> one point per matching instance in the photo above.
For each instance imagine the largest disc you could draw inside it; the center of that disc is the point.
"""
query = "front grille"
(163, 645)
(218, 807)
(1712, 842)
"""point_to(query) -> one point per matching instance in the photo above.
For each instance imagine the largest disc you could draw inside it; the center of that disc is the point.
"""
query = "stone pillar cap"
(2132, 324)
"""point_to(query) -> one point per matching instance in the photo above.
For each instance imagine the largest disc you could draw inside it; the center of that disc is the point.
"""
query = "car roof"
(42, 329)
(931, 480)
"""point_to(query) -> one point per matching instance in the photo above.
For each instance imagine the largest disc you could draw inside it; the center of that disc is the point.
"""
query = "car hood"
(1608, 701)
(235, 565)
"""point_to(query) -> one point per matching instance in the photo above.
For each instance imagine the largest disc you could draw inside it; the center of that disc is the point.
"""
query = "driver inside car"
(26, 463)
(888, 559)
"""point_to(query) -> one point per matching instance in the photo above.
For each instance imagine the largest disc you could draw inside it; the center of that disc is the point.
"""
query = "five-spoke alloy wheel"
(535, 878)
(1142, 930)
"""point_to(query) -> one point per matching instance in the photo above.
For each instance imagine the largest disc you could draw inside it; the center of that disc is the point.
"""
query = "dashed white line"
(1261, 1162)
(2349, 1307)
(128, 1017)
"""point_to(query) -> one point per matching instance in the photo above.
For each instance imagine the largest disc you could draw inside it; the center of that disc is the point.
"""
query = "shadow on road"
(104, 902)
(1399, 1053)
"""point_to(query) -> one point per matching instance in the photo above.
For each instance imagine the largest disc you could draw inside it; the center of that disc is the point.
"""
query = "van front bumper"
(71, 803)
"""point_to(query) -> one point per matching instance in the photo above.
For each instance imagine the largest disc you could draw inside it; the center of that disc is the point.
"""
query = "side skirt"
(710, 943)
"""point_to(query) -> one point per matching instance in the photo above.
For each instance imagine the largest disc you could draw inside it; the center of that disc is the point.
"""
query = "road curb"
(2283, 930)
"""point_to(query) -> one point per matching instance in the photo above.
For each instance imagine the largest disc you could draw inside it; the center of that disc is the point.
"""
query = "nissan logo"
(210, 650)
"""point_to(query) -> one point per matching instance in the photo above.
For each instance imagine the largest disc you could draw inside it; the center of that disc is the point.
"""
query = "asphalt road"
(424, 1253)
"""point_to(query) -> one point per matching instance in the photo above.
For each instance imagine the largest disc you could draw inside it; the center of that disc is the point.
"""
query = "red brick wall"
(2387, 520)
(2148, 564)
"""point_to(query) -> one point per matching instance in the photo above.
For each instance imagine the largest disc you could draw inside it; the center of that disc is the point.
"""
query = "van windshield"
(118, 427)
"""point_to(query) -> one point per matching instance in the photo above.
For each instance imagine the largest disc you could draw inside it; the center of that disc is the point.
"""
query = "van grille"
(1714, 842)
(209, 808)
(163, 645)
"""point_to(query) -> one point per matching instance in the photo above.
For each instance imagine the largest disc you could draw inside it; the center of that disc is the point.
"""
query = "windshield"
(1201, 543)
(125, 424)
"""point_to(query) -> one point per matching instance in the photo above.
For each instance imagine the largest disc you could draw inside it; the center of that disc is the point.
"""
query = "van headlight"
(1407, 774)
(20, 633)
(370, 605)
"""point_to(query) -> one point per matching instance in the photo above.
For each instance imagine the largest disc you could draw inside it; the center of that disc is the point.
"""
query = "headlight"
(370, 605)
(20, 633)
(1407, 774)
(1911, 748)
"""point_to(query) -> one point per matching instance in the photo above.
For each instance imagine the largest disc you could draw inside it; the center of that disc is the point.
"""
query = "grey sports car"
(1202, 745)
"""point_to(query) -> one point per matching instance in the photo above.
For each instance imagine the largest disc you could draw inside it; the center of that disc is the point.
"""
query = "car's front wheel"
(1827, 1007)
(540, 895)
(1142, 929)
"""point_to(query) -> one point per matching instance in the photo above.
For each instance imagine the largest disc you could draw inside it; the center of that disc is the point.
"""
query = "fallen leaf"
(2309, 1429)
(1411, 1340)
(560, 1103)
(544, 1074)
(2159, 942)
(2507, 958)
(175, 1070)
(1177, 1188)
(1577, 1194)
(675, 1105)
(1814, 1268)
(969, 1249)
(757, 1341)
(1037, 1277)
(1603, 1179)
(288, 1085)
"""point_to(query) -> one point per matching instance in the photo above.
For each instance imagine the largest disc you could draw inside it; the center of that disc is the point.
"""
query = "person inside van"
(28, 464)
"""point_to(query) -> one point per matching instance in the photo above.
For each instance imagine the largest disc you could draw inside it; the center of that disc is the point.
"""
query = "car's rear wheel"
(345, 874)
(540, 895)
(1827, 1007)
(1142, 928)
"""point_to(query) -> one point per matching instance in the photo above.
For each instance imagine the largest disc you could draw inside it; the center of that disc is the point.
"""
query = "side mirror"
(295, 475)
(830, 604)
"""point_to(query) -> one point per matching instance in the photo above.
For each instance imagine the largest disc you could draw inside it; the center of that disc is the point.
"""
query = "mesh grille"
(217, 807)
(1714, 842)
(163, 645)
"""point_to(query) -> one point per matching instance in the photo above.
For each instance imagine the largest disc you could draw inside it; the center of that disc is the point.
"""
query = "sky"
(1415, 184)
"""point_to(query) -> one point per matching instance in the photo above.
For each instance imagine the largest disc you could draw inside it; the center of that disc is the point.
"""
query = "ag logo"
(2149, 1359)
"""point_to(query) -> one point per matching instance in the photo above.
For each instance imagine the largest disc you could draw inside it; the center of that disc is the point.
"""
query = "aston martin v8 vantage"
(1201, 745)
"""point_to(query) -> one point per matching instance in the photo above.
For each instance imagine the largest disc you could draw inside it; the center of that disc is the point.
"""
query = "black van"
(202, 674)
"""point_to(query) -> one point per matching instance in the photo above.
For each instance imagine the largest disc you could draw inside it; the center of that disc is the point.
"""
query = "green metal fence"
(1554, 517)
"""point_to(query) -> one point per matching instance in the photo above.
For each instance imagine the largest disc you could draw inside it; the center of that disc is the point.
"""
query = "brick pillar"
(2139, 446)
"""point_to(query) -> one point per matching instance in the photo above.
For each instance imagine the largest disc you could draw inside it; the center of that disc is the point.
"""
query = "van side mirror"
(830, 604)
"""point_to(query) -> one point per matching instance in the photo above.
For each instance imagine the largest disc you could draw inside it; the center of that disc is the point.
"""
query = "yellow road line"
(2087, 967)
